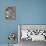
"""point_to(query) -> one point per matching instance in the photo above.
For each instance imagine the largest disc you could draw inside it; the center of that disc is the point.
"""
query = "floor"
(9, 45)
(30, 43)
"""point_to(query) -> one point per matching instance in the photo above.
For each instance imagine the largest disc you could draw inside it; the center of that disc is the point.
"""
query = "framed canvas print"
(29, 33)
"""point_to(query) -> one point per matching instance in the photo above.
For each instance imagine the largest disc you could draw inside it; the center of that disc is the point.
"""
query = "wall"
(6, 27)
(31, 11)
(27, 12)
